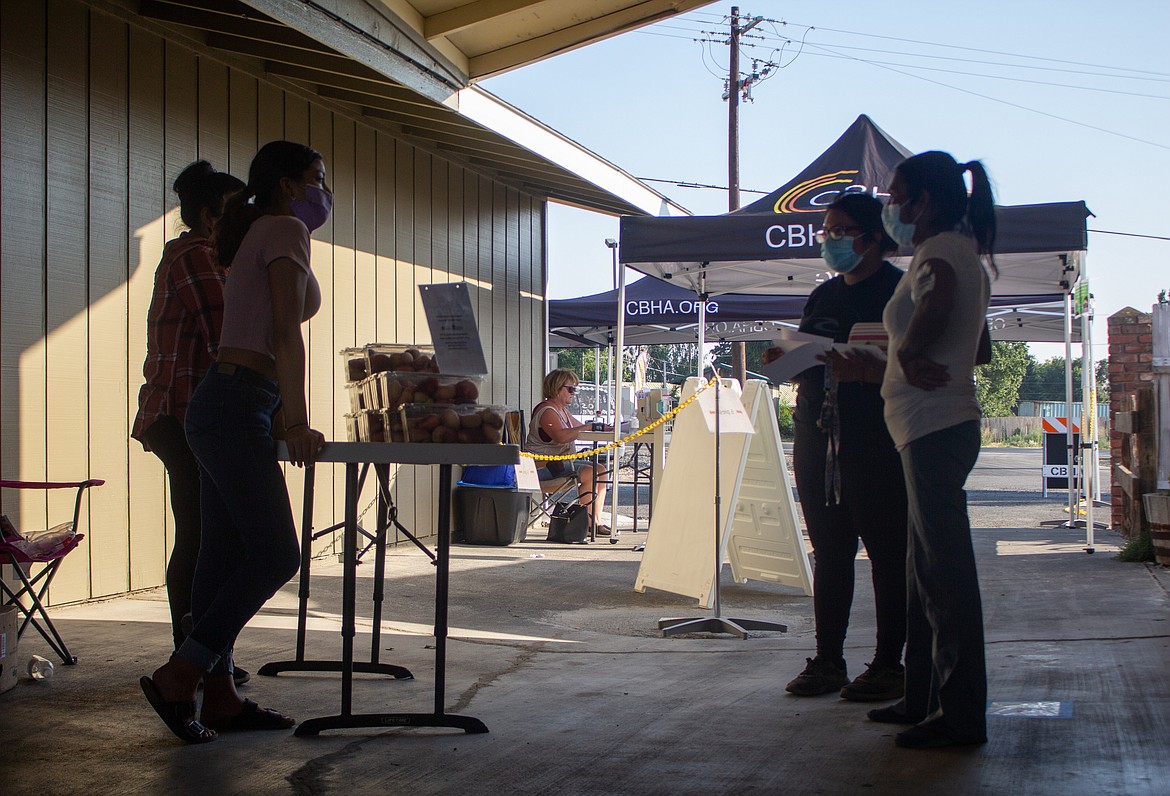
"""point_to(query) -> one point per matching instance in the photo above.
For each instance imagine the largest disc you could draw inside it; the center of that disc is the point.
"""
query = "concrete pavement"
(555, 652)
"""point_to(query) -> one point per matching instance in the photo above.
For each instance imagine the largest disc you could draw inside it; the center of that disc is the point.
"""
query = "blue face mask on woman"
(839, 254)
(896, 228)
(315, 208)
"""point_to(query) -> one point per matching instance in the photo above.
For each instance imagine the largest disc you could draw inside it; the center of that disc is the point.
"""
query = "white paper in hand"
(801, 352)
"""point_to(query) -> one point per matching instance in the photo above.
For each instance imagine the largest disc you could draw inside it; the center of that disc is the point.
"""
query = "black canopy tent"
(769, 246)
(658, 312)
(663, 312)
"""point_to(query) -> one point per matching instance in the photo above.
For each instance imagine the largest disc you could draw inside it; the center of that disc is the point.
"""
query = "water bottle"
(598, 421)
(40, 668)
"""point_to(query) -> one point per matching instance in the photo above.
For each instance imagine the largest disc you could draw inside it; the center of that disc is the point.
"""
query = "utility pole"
(733, 115)
(734, 86)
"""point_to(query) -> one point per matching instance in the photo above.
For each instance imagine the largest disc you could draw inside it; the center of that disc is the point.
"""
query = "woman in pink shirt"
(255, 388)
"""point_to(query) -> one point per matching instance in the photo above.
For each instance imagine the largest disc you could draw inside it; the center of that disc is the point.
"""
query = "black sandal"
(178, 716)
(253, 717)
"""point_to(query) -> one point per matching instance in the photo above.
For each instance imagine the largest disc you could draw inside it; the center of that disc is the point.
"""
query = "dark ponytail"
(981, 211)
(275, 161)
(941, 176)
(200, 186)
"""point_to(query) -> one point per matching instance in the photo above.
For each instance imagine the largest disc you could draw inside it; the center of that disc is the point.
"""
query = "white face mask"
(901, 231)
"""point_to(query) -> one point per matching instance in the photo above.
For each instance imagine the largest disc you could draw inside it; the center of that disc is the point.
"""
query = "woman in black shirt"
(848, 473)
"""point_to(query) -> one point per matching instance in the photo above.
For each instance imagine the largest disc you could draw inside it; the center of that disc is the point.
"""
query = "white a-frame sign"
(761, 535)
(764, 542)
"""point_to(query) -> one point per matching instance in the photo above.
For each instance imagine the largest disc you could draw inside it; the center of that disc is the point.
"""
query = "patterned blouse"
(182, 329)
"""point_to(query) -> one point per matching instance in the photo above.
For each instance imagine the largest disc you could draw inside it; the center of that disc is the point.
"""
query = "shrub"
(1139, 547)
(784, 420)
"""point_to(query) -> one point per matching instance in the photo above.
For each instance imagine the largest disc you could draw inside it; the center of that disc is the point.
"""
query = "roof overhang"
(486, 37)
(408, 67)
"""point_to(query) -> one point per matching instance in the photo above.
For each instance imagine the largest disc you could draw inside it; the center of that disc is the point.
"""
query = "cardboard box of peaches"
(397, 394)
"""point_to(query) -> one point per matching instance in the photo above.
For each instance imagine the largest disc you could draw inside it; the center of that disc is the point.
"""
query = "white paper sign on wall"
(733, 418)
(451, 320)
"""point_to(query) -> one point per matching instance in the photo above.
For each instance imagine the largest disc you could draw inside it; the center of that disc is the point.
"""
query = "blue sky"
(1061, 101)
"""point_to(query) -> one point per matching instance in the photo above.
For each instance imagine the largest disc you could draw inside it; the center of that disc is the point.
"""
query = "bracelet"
(295, 425)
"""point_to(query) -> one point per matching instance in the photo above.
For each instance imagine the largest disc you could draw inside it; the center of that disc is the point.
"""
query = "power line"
(1030, 67)
(1129, 234)
(773, 51)
(892, 68)
(995, 52)
(996, 99)
(1025, 56)
(998, 77)
(689, 184)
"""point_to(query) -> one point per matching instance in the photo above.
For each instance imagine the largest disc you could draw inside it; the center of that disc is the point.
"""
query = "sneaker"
(879, 683)
(603, 530)
(820, 676)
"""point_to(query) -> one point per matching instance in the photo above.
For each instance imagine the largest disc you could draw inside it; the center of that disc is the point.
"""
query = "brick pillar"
(1131, 355)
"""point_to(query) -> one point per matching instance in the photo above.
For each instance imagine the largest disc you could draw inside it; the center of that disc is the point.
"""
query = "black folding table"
(381, 455)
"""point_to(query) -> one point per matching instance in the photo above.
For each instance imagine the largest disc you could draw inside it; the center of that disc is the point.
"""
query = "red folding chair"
(34, 587)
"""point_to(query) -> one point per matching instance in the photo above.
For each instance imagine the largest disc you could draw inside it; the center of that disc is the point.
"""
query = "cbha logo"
(668, 307)
(813, 196)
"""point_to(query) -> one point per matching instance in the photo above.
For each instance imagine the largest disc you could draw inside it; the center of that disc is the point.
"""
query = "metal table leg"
(299, 663)
(346, 719)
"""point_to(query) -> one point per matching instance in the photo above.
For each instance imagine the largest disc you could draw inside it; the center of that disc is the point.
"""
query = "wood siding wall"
(97, 119)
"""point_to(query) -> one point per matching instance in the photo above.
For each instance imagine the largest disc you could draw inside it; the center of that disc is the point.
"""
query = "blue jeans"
(249, 547)
(946, 676)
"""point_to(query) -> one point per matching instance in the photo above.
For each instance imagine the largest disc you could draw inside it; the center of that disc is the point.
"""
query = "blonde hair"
(557, 379)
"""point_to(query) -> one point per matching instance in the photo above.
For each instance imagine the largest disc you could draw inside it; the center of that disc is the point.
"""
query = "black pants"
(946, 674)
(872, 509)
(169, 443)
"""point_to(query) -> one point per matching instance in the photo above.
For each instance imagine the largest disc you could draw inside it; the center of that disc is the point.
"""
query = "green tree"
(753, 351)
(1102, 378)
(997, 384)
(1045, 380)
(581, 361)
(672, 361)
(668, 362)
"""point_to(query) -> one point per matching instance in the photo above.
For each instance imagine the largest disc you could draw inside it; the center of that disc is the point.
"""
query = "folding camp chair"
(35, 587)
(553, 491)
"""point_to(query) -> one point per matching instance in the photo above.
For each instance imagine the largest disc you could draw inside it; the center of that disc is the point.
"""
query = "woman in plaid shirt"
(182, 337)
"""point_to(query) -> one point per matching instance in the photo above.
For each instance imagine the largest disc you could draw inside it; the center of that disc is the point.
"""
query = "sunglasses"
(572, 390)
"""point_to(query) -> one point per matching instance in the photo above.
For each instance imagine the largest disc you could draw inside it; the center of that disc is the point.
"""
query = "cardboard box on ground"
(8, 653)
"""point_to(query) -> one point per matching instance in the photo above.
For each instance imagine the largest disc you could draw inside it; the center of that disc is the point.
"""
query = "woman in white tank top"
(936, 323)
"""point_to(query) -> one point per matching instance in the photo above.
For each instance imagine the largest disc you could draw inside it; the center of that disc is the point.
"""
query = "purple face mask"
(315, 208)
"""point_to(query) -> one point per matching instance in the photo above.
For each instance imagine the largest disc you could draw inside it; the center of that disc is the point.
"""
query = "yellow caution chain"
(589, 454)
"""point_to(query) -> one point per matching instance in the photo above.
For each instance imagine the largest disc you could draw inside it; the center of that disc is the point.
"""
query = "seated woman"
(552, 432)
